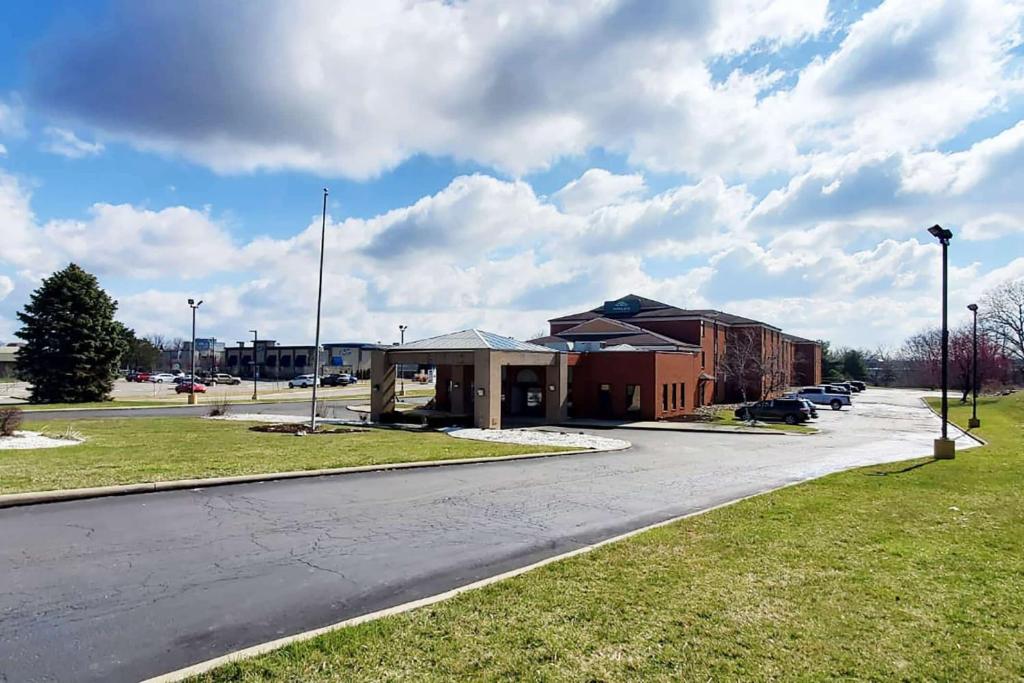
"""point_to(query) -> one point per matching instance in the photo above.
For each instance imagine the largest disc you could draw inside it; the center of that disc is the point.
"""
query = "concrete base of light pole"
(945, 449)
(192, 399)
(973, 423)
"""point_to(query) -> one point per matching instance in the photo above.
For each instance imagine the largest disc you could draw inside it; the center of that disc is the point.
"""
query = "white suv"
(161, 377)
(304, 381)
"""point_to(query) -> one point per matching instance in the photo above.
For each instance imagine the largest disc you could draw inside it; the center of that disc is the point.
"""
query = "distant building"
(9, 359)
(280, 361)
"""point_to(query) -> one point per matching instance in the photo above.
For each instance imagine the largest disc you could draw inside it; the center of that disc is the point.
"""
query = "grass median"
(128, 451)
(908, 571)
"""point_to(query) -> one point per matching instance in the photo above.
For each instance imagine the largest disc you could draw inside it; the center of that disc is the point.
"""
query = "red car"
(142, 376)
(185, 388)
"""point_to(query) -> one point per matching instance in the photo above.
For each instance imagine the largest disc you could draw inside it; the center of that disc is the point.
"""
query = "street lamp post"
(193, 304)
(401, 332)
(974, 422)
(319, 298)
(944, 447)
(255, 368)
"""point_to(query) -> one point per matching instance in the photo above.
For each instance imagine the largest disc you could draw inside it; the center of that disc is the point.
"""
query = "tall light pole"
(974, 422)
(944, 447)
(319, 298)
(401, 332)
(193, 304)
(255, 368)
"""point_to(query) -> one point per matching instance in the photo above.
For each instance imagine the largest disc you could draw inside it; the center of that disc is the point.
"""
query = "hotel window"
(664, 397)
(233, 360)
(246, 360)
(271, 361)
(673, 397)
(300, 361)
(286, 361)
(702, 363)
(632, 398)
(682, 394)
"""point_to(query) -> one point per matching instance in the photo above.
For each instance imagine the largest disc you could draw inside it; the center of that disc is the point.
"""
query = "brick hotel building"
(631, 358)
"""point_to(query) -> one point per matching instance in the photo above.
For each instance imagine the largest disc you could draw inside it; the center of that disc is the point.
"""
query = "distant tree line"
(918, 362)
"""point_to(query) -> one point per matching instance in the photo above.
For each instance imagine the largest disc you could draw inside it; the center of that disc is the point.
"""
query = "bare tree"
(1002, 315)
(157, 340)
(750, 366)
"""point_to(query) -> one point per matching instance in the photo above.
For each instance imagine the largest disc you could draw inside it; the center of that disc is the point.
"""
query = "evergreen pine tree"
(72, 342)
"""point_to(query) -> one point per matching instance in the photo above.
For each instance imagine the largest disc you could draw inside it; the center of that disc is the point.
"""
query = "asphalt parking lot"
(119, 589)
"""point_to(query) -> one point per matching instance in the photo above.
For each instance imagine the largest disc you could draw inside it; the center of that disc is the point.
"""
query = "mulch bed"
(299, 427)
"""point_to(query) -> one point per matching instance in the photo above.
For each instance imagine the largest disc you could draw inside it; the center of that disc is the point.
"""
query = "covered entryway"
(480, 375)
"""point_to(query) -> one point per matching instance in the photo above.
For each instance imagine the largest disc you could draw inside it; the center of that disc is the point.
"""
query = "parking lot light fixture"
(319, 299)
(974, 422)
(255, 368)
(193, 304)
(401, 332)
(944, 447)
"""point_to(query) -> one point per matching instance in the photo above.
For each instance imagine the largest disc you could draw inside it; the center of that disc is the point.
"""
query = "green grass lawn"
(909, 571)
(124, 451)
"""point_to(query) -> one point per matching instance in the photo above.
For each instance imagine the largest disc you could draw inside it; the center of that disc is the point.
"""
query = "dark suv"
(792, 411)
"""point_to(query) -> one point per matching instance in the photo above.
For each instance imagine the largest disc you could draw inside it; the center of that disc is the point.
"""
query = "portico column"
(556, 401)
(382, 384)
(487, 390)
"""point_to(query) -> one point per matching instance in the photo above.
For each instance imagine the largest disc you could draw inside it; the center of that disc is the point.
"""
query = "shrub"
(10, 420)
(220, 407)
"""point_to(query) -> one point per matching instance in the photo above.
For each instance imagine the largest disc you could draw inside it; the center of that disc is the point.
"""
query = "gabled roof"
(798, 340)
(649, 308)
(651, 339)
(469, 340)
(602, 326)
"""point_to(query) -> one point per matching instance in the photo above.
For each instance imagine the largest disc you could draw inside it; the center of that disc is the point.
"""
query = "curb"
(965, 432)
(11, 500)
(705, 430)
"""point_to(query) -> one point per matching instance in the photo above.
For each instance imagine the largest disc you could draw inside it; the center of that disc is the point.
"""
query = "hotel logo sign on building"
(622, 307)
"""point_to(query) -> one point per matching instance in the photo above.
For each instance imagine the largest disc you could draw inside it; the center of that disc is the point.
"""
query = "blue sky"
(495, 165)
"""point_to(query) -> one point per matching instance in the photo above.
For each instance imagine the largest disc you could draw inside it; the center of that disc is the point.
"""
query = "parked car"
(304, 381)
(221, 378)
(808, 404)
(187, 388)
(823, 396)
(858, 385)
(182, 379)
(139, 376)
(337, 380)
(161, 377)
(839, 389)
(792, 411)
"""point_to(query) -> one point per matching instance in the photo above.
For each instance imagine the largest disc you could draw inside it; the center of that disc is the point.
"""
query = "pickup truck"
(219, 378)
(824, 397)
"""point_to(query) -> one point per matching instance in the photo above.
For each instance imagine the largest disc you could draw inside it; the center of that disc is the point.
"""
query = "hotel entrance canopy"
(477, 356)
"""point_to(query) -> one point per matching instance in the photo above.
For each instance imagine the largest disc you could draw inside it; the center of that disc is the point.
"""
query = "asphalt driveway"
(119, 589)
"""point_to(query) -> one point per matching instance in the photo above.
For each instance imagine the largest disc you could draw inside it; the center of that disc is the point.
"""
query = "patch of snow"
(26, 440)
(260, 417)
(530, 437)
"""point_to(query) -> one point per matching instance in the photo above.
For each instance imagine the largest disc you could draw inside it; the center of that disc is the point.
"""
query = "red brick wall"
(651, 370)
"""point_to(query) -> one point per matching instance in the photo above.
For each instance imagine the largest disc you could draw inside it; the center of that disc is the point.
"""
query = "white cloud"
(597, 188)
(345, 88)
(65, 143)
(908, 74)
(120, 240)
(6, 287)
(12, 117)
(993, 226)
(491, 253)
